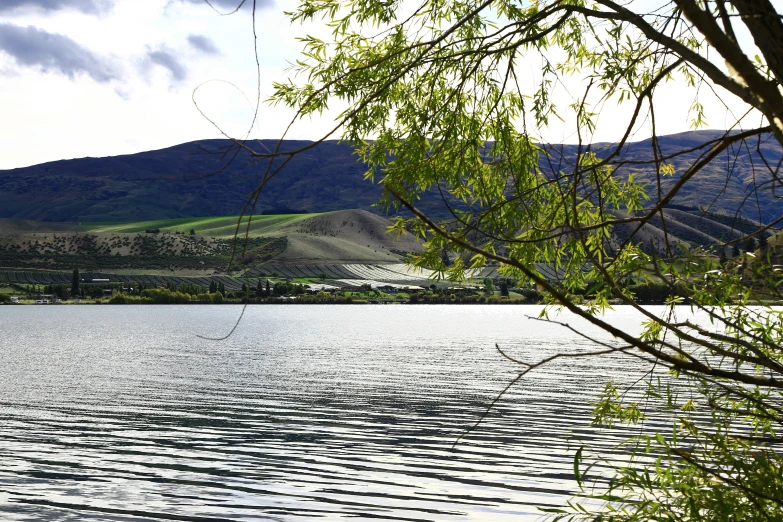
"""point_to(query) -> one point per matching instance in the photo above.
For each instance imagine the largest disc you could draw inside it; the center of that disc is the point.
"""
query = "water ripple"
(122, 413)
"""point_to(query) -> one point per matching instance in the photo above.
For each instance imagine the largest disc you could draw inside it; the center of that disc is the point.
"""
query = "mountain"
(724, 186)
(205, 178)
(192, 179)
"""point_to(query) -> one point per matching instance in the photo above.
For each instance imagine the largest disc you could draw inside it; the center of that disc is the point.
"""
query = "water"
(306, 412)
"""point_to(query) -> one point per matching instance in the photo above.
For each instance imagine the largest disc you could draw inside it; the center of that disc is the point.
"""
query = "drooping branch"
(676, 361)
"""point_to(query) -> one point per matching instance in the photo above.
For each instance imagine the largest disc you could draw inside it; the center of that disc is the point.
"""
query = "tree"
(489, 286)
(763, 243)
(445, 257)
(281, 288)
(438, 101)
(75, 282)
(504, 288)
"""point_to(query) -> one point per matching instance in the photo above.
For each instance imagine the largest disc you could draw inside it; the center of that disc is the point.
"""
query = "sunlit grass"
(218, 227)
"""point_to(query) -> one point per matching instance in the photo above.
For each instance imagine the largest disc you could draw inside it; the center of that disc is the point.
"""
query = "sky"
(107, 77)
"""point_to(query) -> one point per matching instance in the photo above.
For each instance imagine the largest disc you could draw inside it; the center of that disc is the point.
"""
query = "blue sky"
(106, 77)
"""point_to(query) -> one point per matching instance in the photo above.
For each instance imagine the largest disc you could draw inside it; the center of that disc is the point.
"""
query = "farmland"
(224, 227)
(395, 273)
(203, 245)
(335, 251)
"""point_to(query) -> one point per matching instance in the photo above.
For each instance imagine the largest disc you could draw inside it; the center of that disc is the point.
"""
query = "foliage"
(106, 190)
(165, 296)
(120, 298)
(444, 91)
(139, 251)
(656, 292)
(284, 288)
(489, 286)
(75, 281)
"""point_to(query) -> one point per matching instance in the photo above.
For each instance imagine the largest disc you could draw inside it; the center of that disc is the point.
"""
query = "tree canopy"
(452, 99)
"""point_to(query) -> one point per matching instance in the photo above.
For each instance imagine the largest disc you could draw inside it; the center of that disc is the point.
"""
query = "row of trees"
(165, 296)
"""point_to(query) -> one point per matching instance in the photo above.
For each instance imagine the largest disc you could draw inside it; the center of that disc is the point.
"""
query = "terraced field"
(64, 278)
(224, 227)
(339, 275)
(386, 273)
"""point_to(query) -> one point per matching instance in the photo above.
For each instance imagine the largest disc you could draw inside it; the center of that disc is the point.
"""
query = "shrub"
(120, 298)
(165, 296)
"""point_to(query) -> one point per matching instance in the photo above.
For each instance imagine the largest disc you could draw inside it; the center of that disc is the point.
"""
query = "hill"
(723, 186)
(192, 179)
(348, 236)
(207, 179)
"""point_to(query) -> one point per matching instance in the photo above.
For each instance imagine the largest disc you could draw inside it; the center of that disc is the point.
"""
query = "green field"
(217, 227)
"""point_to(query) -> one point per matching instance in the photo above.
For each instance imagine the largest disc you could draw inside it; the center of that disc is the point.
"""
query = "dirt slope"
(345, 236)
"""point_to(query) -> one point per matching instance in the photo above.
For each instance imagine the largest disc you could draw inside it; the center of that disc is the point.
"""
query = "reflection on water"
(122, 413)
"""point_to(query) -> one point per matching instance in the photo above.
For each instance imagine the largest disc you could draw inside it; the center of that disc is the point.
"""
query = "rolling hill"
(203, 179)
(347, 236)
(724, 186)
(137, 211)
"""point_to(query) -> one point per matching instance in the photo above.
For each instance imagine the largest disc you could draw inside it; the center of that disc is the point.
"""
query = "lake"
(306, 412)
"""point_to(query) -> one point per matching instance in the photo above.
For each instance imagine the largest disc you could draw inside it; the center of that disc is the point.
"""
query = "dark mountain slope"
(187, 180)
(723, 186)
(194, 180)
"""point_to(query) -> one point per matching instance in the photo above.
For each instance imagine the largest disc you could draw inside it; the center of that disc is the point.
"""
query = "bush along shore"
(292, 293)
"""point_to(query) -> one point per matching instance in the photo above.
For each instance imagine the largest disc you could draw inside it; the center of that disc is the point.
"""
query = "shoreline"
(353, 302)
